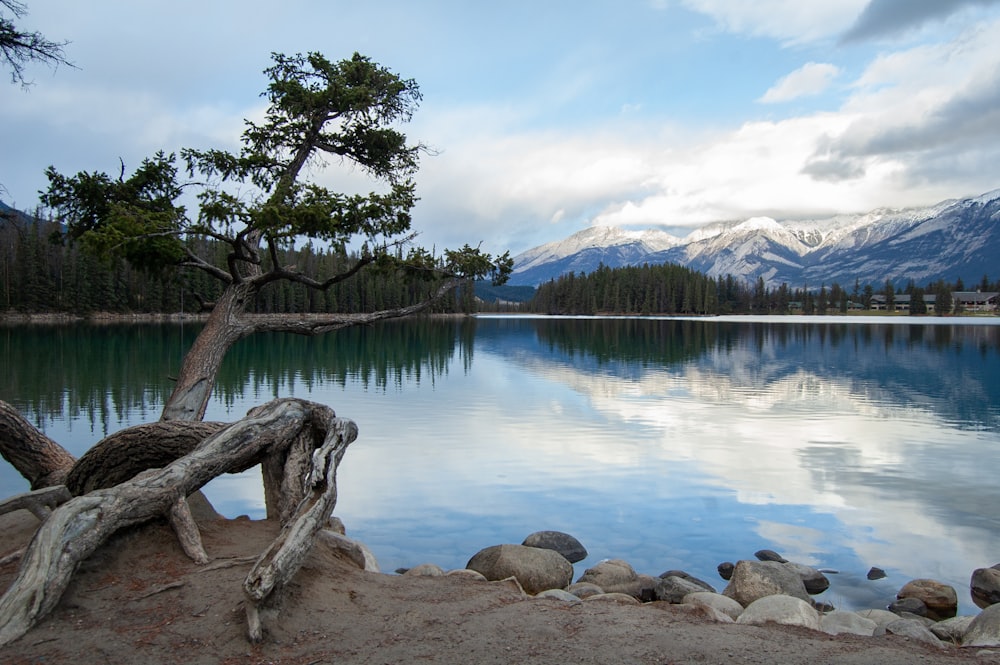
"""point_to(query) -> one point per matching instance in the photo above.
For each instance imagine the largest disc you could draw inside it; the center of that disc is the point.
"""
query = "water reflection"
(672, 444)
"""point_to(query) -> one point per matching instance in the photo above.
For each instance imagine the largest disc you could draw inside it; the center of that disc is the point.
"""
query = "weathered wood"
(279, 563)
(35, 456)
(187, 531)
(39, 502)
(75, 529)
(122, 455)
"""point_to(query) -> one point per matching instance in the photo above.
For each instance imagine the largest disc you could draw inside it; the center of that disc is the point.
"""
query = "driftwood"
(78, 527)
(40, 502)
(279, 563)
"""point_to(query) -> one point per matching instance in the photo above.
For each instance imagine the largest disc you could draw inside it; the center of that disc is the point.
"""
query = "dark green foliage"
(347, 110)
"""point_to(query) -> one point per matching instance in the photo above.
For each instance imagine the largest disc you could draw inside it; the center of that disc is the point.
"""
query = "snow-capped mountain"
(953, 239)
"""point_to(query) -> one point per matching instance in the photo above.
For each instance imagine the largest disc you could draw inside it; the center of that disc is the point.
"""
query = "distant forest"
(671, 289)
(38, 275)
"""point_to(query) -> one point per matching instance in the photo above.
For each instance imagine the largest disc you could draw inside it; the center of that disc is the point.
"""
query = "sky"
(546, 117)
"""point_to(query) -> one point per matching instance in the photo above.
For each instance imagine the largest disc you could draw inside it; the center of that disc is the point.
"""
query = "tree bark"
(122, 455)
(77, 528)
(42, 461)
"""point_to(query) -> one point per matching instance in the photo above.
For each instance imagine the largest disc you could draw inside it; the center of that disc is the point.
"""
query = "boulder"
(876, 573)
(673, 589)
(726, 570)
(984, 631)
(690, 578)
(425, 570)
(559, 594)
(355, 550)
(716, 601)
(985, 586)
(465, 572)
(911, 629)
(613, 576)
(880, 617)
(813, 580)
(584, 589)
(941, 600)
(913, 606)
(780, 609)
(561, 542)
(534, 568)
(952, 630)
(769, 555)
(753, 580)
(852, 623)
(616, 598)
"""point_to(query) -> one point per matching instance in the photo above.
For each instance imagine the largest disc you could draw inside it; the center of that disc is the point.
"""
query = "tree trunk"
(77, 528)
(42, 461)
(201, 363)
(128, 452)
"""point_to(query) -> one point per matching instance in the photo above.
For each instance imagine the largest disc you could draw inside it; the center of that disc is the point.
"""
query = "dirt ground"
(139, 600)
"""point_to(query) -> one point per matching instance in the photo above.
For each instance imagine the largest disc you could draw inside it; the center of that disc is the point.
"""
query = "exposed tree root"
(269, 432)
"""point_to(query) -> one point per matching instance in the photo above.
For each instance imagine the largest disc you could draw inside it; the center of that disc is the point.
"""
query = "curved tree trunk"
(77, 528)
(128, 452)
(35, 456)
(201, 363)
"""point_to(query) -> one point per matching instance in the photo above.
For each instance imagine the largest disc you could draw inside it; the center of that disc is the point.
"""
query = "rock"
(465, 572)
(613, 576)
(822, 607)
(716, 601)
(780, 609)
(813, 580)
(880, 617)
(753, 580)
(985, 586)
(690, 578)
(536, 569)
(769, 555)
(673, 589)
(876, 573)
(952, 630)
(561, 542)
(559, 594)
(617, 598)
(941, 600)
(836, 623)
(336, 524)
(726, 570)
(911, 629)
(584, 589)
(707, 612)
(984, 631)
(909, 606)
(647, 588)
(425, 570)
(355, 550)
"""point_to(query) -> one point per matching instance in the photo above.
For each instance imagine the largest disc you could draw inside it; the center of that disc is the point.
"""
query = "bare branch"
(316, 324)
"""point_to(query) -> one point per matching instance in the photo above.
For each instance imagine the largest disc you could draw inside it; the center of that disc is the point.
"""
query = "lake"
(842, 443)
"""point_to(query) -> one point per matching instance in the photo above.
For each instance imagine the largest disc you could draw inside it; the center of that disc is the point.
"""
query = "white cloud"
(810, 79)
(791, 21)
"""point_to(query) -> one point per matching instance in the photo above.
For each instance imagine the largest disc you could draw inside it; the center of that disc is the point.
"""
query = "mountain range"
(953, 239)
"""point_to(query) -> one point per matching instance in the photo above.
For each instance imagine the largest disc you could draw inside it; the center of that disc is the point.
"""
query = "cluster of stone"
(766, 590)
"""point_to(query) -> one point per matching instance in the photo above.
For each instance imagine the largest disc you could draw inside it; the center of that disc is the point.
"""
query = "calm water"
(668, 443)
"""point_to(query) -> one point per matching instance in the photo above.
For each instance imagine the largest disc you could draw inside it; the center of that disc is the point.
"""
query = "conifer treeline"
(675, 290)
(40, 276)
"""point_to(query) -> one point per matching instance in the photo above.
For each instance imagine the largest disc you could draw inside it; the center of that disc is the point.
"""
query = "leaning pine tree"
(255, 203)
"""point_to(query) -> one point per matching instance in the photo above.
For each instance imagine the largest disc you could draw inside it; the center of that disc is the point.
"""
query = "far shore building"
(971, 301)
